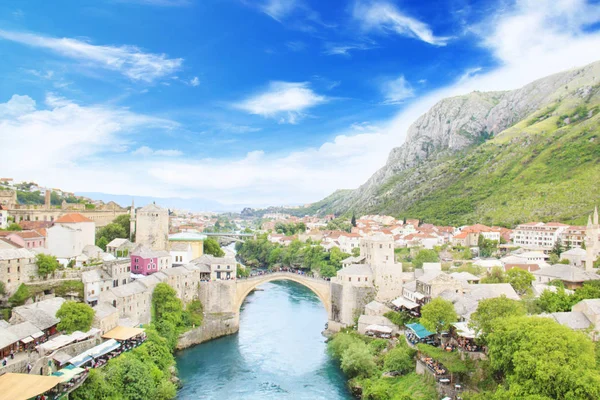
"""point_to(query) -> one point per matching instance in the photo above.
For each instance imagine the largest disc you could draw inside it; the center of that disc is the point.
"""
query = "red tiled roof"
(28, 234)
(73, 218)
(29, 225)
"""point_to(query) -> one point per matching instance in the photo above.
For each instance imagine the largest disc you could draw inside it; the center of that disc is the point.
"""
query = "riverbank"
(213, 326)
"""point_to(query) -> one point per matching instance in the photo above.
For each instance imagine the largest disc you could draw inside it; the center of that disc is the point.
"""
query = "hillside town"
(390, 271)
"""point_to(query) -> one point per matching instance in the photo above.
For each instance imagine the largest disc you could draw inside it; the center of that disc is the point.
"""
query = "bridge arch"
(320, 287)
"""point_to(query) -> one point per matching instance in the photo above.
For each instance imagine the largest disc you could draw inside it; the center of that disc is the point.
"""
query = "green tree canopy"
(540, 357)
(495, 275)
(424, 256)
(211, 246)
(357, 360)
(75, 317)
(124, 220)
(166, 305)
(109, 233)
(20, 296)
(520, 280)
(14, 227)
(489, 311)
(46, 264)
(438, 315)
(400, 359)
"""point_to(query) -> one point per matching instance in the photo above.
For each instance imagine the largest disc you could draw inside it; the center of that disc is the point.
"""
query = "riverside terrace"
(73, 372)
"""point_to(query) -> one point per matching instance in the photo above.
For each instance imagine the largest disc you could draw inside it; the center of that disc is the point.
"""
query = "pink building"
(27, 239)
(146, 262)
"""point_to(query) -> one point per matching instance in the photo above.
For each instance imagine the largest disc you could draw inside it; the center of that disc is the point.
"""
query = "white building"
(181, 253)
(69, 235)
(538, 235)
(3, 217)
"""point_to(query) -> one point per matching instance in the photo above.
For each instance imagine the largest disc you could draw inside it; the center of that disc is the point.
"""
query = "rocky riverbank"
(214, 326)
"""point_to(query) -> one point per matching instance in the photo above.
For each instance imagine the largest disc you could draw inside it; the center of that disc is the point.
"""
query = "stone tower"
(152, 227)
(48, 199)
(592, 241)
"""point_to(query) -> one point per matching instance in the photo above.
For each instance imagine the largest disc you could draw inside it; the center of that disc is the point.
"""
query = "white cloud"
(195, 81)
(277, 9)
(285, 101)
(385, 17)
(344, 49)
(17, 106)
(146, 151)
(127, 60)
(397, 90)
(296, 45)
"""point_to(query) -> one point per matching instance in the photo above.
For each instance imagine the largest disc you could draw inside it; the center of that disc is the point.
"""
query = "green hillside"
(546, 167)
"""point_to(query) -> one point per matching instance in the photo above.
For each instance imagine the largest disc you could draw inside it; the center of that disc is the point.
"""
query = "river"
(278, 353)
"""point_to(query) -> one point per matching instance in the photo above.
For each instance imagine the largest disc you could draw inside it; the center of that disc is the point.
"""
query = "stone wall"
(214, 325)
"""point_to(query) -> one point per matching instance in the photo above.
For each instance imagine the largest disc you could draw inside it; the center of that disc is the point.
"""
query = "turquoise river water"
(279, 352)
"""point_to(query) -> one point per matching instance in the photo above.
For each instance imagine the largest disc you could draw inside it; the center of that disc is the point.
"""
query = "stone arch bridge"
(320, 287)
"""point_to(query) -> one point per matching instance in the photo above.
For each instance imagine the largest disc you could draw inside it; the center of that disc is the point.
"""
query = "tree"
(400, 359)
(102, 242)
(424, 256)
(2, 289)
(125, 221)
(438, 315)
(357, 360)
(559, 301)
(486, 247)
(356, 252)
(20, 296)
(489, 311)
(46, 264)
(353, 220)
(495, 275)
(14, 227)
(520, 280)
(558, 248)
(211, 246)
(109, 233)
(75, 317)
(539, 357)
(166, 305)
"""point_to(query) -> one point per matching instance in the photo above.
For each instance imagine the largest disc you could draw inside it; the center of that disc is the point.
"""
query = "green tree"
(102, 242)
(558, 248)
(424, 256)
(520, 280)
(14, 227)
(495, 275)
(356, 252)
(400, 359)
(340, 343)
(110, 232)
(75, 317)
(211, 246)
(539, 357)
(166, 305)
(558, 301)
(438, 315)
(353, 220)
(46, 264)
(124, 220)
(20, 296)
(2, 289)
(357, 360)
(489, 311)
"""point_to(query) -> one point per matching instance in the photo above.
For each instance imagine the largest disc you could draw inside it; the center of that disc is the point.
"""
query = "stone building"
(152, 227)
(592, 241)
(17, 265)
(8, 198)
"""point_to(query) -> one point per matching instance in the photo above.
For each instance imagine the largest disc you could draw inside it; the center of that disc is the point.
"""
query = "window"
(349, 279)
(366, 279)
(18, 269)
(359, 279)
(8, 270)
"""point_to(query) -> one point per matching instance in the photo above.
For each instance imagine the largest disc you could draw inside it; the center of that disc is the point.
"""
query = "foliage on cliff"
(260, 252)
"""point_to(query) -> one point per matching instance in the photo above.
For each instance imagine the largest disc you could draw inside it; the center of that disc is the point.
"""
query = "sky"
(221, 104)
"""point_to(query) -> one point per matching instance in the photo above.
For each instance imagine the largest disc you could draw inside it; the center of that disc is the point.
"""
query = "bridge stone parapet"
(321, 287)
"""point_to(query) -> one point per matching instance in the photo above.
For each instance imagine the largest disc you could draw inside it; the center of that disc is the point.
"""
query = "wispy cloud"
(344, 49)
(396, 90)
(127, 60)
(195, 81)
(160, 3)
(285, 101)
(294, 14)
(296, 45)
(387, 18)
(276, 9)
(146, 151)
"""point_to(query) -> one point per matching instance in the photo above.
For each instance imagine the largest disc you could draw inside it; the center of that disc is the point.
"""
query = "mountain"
(497, 157)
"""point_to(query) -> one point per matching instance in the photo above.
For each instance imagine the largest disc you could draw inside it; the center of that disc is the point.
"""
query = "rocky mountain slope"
(468, 152)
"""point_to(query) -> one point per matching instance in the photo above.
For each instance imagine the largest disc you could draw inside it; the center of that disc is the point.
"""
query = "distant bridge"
(237, 237)
(320, 287)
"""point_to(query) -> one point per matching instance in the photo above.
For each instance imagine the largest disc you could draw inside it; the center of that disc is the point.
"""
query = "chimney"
(48, 194)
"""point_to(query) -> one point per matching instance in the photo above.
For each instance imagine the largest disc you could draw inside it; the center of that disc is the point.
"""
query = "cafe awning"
(123, 333)
(37, 335)
(24, 386)
(419, 330)
(463, 330)
(66, 374)
(26, 340)
(404, 302)
(95, 352)
(379, 328)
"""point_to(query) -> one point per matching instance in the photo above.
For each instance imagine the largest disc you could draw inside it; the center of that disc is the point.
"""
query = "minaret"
(591, 241)
(131, 221)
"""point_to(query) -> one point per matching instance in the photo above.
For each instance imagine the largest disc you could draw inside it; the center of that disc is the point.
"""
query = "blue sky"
(254, 102)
